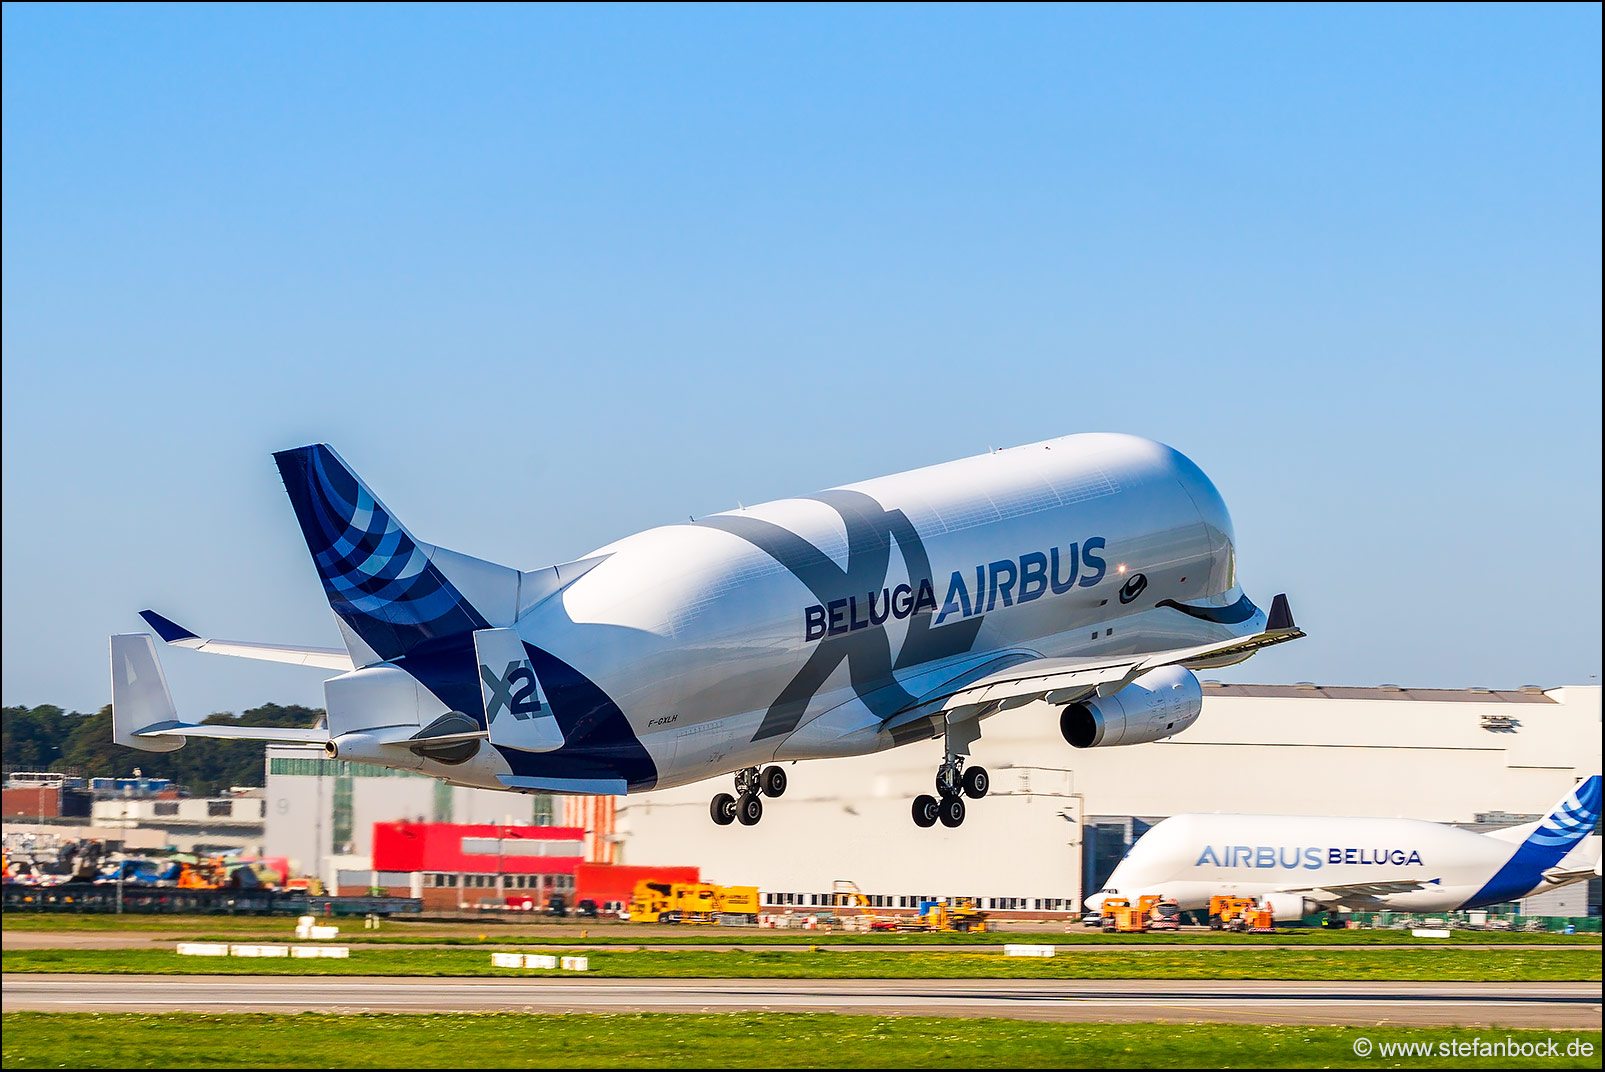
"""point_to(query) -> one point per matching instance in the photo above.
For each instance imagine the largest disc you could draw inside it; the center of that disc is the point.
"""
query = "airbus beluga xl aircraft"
(1093, 572)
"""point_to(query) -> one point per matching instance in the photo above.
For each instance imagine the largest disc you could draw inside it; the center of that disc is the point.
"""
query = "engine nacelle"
(372, 748)
(1159, 704)
(1290, 906)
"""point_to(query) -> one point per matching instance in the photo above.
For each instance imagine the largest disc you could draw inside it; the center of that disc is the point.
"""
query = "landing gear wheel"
(976, 782)
(749, 809)
(723, 809)
(926, 810)
(952, 809)
(772, 782)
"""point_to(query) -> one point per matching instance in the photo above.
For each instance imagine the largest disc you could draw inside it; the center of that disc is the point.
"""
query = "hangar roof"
(1305, 691)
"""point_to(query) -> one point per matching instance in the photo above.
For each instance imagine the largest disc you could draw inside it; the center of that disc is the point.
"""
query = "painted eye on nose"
(1133, 587)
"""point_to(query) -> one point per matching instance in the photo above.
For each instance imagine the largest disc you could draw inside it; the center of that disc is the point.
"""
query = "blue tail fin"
(1573, 819)
(381, 582)
(1568, 823)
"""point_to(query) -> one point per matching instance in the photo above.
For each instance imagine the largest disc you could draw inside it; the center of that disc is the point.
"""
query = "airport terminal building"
(1056, 820)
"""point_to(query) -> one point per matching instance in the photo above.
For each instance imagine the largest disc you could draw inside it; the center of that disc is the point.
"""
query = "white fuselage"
(1192, 858)
(789, 629)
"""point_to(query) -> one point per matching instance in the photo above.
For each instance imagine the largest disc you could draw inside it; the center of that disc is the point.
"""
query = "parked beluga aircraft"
(1302, 864)
(1094, 572)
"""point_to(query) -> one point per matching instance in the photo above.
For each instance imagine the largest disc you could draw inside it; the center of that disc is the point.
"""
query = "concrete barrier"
(1430, 932)
(259, 950)
(540, 960)
(337, 951)
(576, 963)
(202, 949)
(507, 960)
(1028, 950)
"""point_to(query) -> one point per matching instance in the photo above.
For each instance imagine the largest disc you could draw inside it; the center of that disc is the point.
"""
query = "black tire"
(926, 810)
(723, 809)
(749, 809)
(772, 782)
(976, 782)
(952, 812)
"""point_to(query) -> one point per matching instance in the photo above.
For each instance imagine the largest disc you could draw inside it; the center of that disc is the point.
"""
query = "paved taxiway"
(1544, 1005)
(10, 940)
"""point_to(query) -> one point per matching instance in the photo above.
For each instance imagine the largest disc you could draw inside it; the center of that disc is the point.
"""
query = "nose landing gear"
(746, 806)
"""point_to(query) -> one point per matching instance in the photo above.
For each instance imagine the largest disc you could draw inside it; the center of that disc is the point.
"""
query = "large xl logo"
(871, 530)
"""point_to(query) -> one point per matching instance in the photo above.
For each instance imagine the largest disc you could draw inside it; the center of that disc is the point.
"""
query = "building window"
(219, 809)
(165, 808)
(342, 810)
(542, 812)
(443, 801)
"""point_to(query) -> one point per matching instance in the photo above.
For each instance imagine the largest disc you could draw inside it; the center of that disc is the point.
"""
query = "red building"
(457, 865)
(454, 866)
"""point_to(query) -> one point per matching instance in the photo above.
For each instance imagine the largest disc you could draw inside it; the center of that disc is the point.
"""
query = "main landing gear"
(953, 784)
(747, 805)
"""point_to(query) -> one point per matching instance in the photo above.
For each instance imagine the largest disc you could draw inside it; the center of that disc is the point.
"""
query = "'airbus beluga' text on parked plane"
(1094, 572)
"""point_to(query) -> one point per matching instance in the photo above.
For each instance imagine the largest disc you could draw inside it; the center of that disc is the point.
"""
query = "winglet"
(1281, 616)
(170, 631)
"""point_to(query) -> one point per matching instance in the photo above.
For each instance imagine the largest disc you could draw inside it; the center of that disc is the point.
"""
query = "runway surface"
(1543, 1005)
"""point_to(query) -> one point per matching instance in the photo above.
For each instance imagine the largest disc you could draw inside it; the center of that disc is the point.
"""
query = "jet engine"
(1290, 906)
(1159, 704)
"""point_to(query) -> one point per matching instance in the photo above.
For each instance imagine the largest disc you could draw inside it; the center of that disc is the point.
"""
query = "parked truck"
(692, 902)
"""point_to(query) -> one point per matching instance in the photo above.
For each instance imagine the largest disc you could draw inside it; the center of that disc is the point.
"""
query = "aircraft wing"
(1065, 681)
(179, 637)
(1361, 895)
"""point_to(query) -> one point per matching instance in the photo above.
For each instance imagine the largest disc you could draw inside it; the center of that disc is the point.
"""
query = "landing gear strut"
(746, 806)
(953, 784)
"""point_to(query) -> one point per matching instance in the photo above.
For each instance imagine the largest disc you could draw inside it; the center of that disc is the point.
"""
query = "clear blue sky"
(548, 276)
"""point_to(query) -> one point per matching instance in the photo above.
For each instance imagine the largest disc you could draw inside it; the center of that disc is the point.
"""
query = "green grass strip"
(496, 931)
(778, 1040)
(1428, 964)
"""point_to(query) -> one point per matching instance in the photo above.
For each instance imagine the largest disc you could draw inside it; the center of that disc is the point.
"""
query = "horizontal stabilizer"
(274, 734)
(142, 711)
(176, 635)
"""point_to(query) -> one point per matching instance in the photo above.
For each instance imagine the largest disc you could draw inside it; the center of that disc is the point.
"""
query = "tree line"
(47, 738)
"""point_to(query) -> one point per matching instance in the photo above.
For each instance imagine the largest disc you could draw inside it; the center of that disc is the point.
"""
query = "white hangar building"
(1058, 819)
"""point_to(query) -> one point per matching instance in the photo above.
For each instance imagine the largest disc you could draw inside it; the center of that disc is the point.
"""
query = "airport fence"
(145, 900)
(1467, 921)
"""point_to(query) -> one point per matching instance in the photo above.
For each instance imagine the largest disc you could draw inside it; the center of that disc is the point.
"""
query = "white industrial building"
(320, 812)
(1057, 819)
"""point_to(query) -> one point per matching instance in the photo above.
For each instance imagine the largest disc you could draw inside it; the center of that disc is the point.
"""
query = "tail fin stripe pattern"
(379, 580)
(1571, 821)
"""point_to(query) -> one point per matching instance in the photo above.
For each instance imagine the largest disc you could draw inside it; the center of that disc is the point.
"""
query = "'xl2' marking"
(522, 703)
